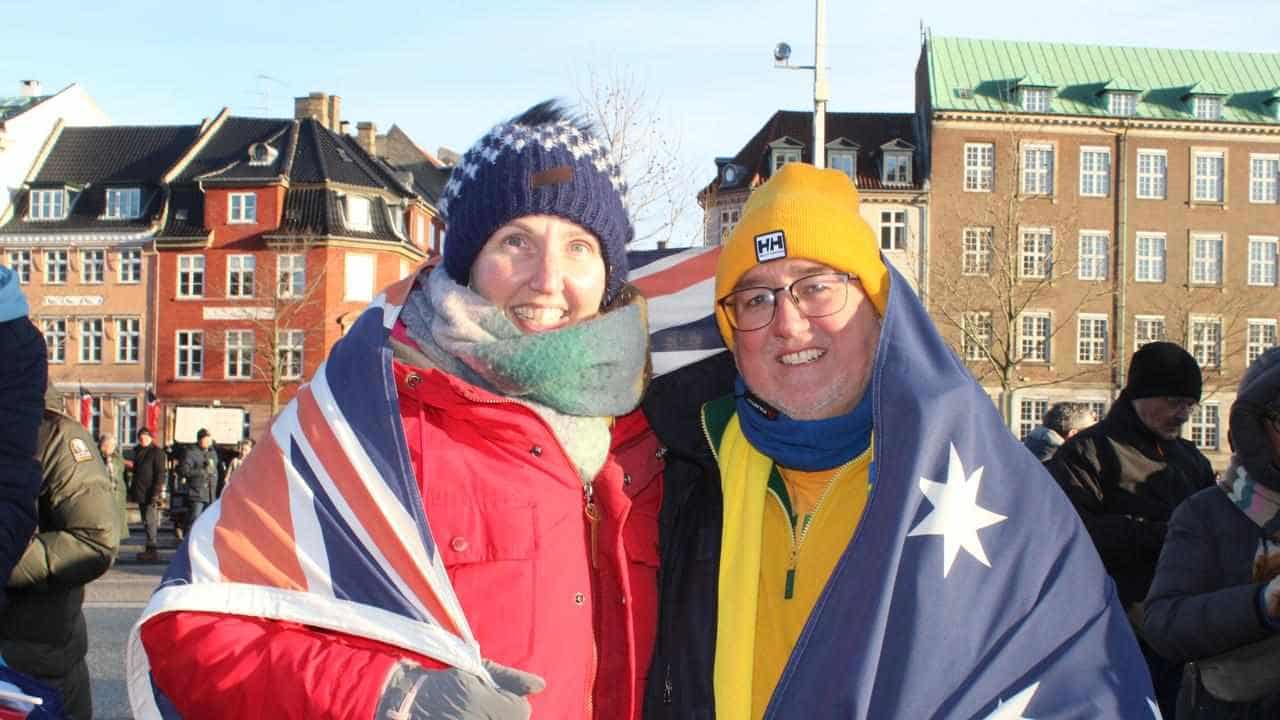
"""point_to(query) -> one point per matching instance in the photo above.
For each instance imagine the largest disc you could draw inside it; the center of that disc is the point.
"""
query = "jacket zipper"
(797, 541)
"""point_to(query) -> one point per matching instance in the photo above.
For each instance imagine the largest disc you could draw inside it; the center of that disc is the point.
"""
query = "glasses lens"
(750, 308)
(821, 295)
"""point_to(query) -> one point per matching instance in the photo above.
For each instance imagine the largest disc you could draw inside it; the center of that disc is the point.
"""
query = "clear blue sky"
(447, 71)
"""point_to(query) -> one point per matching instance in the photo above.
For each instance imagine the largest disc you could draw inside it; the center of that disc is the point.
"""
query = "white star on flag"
(1015, 706)
(956, 515)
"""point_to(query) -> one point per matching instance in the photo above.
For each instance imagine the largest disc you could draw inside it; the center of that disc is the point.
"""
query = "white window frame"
(1264, 178)
(976, 335)
(1264, 260)
(846, 161)
(1206, 107)
(976, 259)
(190, 274)
(190, 342)
(91, 335)
(1204, 427)
(1122, 104)
(127, 412)
(979, 167)
(1043, 340)
(420, 230)
(47, 205)
(55, 338)
(59, 260)
(1261, 337)
(1205, 349)
(290, 346)
(1208, 253)
(20, 263)
(1095, 171)
(238, 355)
(1091, 338)
(241, 275)
(1035, 263)
(729, 217)
(1209, 179)
(242, 208)
(896, 226)
(1094, 261)
(896, 167)
(1035, 99)
(123, 203)
(1155, 262)
(780, 156)
(93, 266)
(358, 291)
(128, 340)
(129, 266)
(95, 417)
(291, 275)
(1038, 163)
(1143, 330)
(1153, 180)
(358, 213)
(1031, 411)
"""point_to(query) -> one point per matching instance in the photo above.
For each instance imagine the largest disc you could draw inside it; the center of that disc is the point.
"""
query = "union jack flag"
(680, 288)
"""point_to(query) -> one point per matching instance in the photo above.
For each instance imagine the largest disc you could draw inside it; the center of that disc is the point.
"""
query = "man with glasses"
(852, 531)
(1126, 475)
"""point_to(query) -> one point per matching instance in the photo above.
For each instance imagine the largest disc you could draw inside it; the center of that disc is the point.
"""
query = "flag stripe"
(678, 276)
(255, 540)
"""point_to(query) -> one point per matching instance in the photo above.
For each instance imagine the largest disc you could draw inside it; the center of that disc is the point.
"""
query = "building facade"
(26, 122)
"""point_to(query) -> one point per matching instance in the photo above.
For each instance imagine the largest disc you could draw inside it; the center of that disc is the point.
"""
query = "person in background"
(148, 490)
(243, 448)
(42, 630)
(1127, 474)
(198, 474)
(1061, 422)
(24, 375)
(114, 462)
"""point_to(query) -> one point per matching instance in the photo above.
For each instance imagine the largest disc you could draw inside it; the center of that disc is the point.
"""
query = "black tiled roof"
(323, 155)
(868, 130)
(401, 153)
(85, 213)
(186, 214)
(122, 155)
(225, 158)
(317, 212)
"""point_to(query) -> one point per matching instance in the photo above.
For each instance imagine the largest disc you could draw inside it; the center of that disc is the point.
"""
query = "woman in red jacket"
(517, 366)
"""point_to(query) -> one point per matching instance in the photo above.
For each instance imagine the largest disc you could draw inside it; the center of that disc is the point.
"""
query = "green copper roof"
(982, 75)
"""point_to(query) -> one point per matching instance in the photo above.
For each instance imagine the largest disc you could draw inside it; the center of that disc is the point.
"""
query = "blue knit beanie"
(542, 162)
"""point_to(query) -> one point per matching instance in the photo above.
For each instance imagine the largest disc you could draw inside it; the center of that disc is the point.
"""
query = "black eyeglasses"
(817, 295)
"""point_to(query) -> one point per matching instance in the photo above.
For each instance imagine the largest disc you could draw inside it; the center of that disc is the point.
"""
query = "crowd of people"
(829, 520)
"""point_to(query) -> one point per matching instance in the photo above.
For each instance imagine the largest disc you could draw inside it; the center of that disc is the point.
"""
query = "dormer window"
(1035, 99)
(358, 213)
(895, 167)
(782, 151)
(48, 205)
(123, 203)
(262, 154)
(842, 155)
(1206, 107)
(1123, 104)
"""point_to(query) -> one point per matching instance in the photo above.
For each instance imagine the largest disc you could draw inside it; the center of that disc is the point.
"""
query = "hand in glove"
(414, 693)
(1257, 400)
(1271, 598)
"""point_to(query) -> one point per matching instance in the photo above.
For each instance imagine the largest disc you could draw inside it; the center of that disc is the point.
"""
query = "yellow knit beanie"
(802, 212)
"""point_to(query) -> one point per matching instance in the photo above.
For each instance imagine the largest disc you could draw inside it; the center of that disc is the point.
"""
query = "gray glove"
(414, 693)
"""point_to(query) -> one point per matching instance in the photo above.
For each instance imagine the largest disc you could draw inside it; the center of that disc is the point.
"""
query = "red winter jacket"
(507, 511)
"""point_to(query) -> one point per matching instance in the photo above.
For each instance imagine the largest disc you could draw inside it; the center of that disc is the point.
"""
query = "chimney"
(314, 106)
(335, 113)
(344, 128)
(447, 157)
(29, 88)
(367, 136)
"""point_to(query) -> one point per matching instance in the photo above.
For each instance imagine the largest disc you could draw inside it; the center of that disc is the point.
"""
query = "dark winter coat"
(199, 472)
(115, 471)
(1204, 600)
(42, 631)
(1042, 442)
(148, 474)
(24, 373)
(1125, 481)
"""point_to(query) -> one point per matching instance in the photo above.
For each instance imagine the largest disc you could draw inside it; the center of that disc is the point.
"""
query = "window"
(91, 340)
(20, 264)
(1151, 258)
(1153, 174)
(128, 339)
(1148, 329)
(1099, 408)
(242, 208)
(358, 213)
(48, 205)
(189, 360)
(728, 221)
(1095, 171)
(1206, 341)
(126, 421)
(843, 160)
(420, 230)
(977, 251)
(1037, 253)
(239, 355)
(1035, 99)
(190, 276)
(782, 156)
(95, 416)
(1122, 103)
(897, 168)
(1262, 261)
(1205, 426)
(1030, 412)
(893, 230)
(93, 265)
(124, 203)
(291, 275)
(240, 276)
(1262, 335)
(1033, 336)
(55, 337)
(129, 268)
(1209, 167)
(1263, 171)
(1206, 259)
(1093, 254)
(1206, 107)
(1037, 170)
(55, 267)
(979, 166)
(1091, 339)
(359, 278)
(976, 338)
(289, 347)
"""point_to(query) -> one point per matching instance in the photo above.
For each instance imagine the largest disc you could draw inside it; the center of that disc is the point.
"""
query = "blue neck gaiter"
(806, 445)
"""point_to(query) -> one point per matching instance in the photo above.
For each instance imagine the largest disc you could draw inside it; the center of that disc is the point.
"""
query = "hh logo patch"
(771, 246)
(80, 451)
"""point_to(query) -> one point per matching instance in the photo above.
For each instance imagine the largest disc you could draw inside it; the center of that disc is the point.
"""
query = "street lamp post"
(781, 57)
